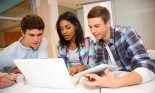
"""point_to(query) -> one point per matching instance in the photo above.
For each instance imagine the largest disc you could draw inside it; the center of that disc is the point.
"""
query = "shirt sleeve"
(146, 74)
(91, 55)
(137, 52)
(58, 50)
(6, 57)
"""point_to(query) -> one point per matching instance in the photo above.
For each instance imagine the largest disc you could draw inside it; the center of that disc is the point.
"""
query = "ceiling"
(5, 4)
(75, 4)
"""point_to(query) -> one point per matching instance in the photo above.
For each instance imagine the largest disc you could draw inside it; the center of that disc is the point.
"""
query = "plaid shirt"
(86, 53)
(127, 48)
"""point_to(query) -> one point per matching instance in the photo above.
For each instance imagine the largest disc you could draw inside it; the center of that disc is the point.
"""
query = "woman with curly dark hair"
(77, 51)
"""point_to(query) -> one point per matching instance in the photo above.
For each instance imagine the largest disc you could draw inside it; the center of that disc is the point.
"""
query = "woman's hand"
(76, 69)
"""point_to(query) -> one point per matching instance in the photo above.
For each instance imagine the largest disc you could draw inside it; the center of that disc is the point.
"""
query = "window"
(11, 13)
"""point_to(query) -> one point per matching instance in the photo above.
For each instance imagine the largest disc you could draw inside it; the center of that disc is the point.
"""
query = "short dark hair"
(32, 21)
(79, 34)
(99, 11)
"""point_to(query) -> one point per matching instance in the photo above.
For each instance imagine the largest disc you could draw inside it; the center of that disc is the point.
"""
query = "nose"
(92, 30)
(36, 38)
(63, 31)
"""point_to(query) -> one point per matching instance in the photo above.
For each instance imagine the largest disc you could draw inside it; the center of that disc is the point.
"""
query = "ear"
(108, 23)
(22, 33)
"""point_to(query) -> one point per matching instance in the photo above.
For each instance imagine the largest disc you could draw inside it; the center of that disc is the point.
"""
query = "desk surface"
(148, 87)
(29, 89)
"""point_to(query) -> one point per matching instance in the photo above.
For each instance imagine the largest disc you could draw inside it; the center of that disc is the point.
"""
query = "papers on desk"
(20, 82)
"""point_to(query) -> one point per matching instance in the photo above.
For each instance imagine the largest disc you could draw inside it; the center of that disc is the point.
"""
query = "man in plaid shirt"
(127, 50)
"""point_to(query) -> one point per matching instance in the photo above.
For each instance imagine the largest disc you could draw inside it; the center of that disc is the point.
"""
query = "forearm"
(132, 78)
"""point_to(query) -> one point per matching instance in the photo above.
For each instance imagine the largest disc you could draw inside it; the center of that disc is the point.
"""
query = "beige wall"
(87, 8)
(139, 14)
(48, 10)
(80, 16)
(62, 9)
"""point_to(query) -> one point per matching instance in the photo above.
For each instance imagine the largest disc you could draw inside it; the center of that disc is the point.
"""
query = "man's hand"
(7, 80)
(16, 70)
(107, 80)
(76, 69)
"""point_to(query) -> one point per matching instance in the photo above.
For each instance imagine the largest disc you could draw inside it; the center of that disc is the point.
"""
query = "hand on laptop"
(76, 69)
(7, 80)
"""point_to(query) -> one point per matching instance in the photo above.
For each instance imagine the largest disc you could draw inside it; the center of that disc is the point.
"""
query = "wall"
(50, 17)
(62, 9)
(139, 14)
(80, 16)
(2, 41)
(11, 37)
(8, 37)
(87, 8)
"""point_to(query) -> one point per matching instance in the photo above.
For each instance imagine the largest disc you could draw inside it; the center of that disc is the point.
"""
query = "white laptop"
(50, 73)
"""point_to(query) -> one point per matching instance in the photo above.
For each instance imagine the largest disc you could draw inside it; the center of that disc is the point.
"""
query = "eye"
(61, 28)
(31, 35)
(96, 26)
(90, 27)
(68, 27)
(40, 34)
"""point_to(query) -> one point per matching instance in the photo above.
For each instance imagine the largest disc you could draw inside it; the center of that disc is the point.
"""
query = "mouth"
(96, 35)
(66, 36)
(35, 43)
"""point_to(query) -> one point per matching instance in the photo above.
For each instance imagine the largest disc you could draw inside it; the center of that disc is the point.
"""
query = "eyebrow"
(94, 25)
(35, 34)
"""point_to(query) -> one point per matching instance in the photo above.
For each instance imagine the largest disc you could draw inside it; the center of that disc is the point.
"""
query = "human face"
(32, 38)
(67, 30)
(98, 28)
